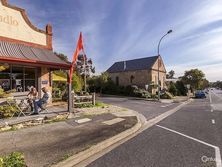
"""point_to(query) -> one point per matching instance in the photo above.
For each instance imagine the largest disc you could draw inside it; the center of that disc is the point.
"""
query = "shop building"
(26, 52)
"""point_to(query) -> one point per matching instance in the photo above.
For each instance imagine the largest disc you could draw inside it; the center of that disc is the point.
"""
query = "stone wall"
(140, 78)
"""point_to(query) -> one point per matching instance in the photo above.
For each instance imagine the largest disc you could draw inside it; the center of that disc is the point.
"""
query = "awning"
(28, 54)
(58, 78)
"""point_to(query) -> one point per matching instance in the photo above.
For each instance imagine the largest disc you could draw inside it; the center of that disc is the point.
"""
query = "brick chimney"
(49, 36)
(4, 2)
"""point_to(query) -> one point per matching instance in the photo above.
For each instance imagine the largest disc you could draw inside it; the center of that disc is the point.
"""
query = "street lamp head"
(169, 31)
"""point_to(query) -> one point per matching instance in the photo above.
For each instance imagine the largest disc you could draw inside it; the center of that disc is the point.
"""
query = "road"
(191, 137)
(149, 109)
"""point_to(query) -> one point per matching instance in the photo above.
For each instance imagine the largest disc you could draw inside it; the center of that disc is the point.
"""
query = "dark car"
(200, 94)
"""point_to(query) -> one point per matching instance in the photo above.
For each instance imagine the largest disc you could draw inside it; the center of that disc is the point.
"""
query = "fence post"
(94, 99)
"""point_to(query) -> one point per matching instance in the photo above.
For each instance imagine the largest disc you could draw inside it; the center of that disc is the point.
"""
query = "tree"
(173, 89)
(204, 84)
(217, 84)
(62, 56)
(170, 74)
(194, 78)
(84, 67)
(181, 88)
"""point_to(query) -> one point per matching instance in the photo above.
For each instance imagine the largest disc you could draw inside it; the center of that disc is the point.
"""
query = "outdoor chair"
(13, 103)
(44, 108)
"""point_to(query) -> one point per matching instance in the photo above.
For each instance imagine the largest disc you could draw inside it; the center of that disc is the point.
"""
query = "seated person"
(32, 96)
(44, 100)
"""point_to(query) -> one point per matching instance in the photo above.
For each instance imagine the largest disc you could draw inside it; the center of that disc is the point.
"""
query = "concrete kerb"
(86, 157)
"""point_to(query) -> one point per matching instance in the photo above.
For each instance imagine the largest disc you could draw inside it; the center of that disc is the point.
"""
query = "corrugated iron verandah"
(27, 54)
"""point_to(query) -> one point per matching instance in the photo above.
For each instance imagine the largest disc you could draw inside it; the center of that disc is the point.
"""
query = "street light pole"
(158, 52)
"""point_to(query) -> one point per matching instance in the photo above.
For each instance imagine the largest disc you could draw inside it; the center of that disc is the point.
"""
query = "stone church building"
(139, 72)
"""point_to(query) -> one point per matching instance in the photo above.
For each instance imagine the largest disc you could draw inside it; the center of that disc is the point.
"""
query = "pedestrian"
(32, 97)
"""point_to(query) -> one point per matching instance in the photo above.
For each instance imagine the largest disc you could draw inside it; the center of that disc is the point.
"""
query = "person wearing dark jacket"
(44, 100)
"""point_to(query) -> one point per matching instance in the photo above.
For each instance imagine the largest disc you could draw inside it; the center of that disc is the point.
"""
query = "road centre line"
(217, 149)
(210, 97)
(213, 121)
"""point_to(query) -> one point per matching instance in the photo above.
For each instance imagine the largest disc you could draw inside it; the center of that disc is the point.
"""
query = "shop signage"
(8, 20)
(45, 82)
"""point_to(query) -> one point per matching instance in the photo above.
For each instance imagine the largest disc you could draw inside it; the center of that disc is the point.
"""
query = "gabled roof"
(11, 51)
(132, 65)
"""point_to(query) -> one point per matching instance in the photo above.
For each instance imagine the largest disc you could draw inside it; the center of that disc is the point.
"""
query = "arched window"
(117, 81)
(131, 79)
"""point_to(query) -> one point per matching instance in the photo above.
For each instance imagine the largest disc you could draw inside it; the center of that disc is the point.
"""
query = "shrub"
(7, 111)
(166, 95)
(181, 89)
(141, 93)
(2, 93)
(15, 159)
(173, 89)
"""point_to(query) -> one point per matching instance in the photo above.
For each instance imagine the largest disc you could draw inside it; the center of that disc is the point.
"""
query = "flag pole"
(75, 55)
(69, 93)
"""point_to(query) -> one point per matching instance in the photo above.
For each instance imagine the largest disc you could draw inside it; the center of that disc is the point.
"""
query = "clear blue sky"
(115, 30)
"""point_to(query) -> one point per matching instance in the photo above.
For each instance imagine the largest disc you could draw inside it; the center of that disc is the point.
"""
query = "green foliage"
(89, 105)
(172, 89)
(170, 74)
(217, 84)
(141, 93)
(59, 88)
(7, 111)
(77, 83)
(194, 77)
(98, 83)
(103, 84)
(204, 84)
(166, 95)
(181, 89)
(177, 89)
(5, 94)
(2, 93)
(15, 159)
(62, 56)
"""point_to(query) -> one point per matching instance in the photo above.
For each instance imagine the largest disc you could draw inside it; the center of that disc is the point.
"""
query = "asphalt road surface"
(191, 137)
(149, 109)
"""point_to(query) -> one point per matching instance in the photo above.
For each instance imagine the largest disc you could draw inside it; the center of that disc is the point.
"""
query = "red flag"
(79, 47)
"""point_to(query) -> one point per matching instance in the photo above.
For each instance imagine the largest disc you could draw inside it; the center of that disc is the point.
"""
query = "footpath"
(47, 143)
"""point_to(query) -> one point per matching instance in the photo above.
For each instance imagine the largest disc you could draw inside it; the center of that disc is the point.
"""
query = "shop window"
(30, 78)
(17, 78)
(5, 77)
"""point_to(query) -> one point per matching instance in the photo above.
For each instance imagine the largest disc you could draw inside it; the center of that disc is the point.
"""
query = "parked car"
(200, 94)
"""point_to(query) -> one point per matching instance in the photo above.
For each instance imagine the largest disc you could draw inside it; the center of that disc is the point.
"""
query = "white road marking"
(213, 121)
(79, 121)
(210, 97)
(217, 149)
(211, 110)
(166, 105)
